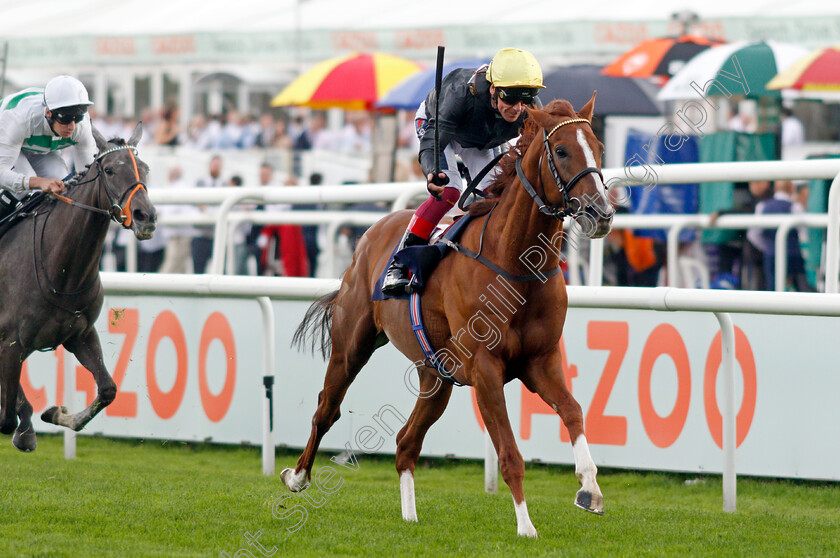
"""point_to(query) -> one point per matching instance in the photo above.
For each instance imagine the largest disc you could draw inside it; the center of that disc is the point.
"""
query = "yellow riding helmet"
(512, 67)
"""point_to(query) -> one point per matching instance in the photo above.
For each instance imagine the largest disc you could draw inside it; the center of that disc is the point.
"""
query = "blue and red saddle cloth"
(421, 261)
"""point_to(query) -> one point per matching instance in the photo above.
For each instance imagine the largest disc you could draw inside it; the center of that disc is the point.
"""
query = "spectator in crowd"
(783, 202)
(230, 136)
(254, 240)
(356, 135)
(281, 136)
(265, 133)
(167, 131)
(310, 232)
(742, 257)
(241, 236)
(177, 257)
(283, 248)
(250, 131)
(744, 120)
(318, 133)
(202, 243)
(793, 132)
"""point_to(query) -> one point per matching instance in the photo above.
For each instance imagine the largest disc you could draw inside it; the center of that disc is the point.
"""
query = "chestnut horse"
(558, 159)
(49, 279)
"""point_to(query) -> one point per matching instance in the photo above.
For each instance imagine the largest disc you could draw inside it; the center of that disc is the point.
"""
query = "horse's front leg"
(489, 391)
(544, 376)
(10, 367)
(88, 351)
(24, 438)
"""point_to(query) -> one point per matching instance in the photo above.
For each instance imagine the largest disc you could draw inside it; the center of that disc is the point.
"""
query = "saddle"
(13, 210)
(422, 260)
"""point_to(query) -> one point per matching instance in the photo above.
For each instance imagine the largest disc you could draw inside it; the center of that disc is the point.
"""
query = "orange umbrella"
(352, 82)
(818, 70)
(660, 58)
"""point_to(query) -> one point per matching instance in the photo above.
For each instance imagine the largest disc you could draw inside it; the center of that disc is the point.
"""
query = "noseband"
(571, 206)
(119, 214)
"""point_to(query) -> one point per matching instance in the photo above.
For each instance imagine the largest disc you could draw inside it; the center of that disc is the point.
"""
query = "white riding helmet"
(65, 91)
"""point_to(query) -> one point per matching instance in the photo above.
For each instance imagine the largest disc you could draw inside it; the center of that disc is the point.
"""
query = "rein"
(571, 207)
(567, 211)
(460, 249)
(119, 214)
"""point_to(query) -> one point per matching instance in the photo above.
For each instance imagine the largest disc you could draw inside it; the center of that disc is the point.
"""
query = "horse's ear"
(588, 108)
(539, 116)
(136, 135)
(101, 142)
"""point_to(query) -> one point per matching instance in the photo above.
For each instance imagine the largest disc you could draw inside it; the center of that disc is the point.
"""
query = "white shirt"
(24, 129)
(793, 132)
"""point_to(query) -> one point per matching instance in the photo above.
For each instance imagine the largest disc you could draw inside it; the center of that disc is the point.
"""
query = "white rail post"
(727, 348)
(780, 270)
(268, 383)
(832, 249)
(596, 262)
(573, 263)
(673, 251)
(491, 466)
(220, 232)
(69, 400)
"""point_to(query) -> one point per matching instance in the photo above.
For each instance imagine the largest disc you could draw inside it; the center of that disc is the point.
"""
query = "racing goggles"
(513, 95)
(66, 115)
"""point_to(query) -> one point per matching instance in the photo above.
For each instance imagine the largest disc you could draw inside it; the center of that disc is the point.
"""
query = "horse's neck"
(71, 239)
(524, 234)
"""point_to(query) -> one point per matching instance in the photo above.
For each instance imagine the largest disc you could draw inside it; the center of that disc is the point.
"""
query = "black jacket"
(466, 116)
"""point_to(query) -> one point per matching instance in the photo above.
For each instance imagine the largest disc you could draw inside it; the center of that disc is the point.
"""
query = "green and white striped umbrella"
(741, 68)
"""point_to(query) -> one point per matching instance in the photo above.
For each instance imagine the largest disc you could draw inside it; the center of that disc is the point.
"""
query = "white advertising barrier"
(190, 368)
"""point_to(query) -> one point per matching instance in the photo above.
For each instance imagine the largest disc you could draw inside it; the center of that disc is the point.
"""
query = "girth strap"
(416, 316)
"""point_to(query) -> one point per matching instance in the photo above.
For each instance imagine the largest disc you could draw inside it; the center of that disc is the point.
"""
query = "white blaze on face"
(590, 162)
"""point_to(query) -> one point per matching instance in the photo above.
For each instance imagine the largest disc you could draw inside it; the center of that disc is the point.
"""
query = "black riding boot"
(396, 279)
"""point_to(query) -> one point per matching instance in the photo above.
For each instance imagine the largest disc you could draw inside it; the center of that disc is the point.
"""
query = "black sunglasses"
(68, 117)
(514, 95)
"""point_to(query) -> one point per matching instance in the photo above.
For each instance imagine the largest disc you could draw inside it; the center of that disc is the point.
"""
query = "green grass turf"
(150, 498)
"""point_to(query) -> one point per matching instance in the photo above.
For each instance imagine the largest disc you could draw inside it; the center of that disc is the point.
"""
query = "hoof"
(590, 502)
(25, 441)
(49, 416)
(530, 532)
(295, 483)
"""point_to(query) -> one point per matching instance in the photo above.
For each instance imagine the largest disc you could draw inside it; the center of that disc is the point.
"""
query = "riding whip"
(438, 79)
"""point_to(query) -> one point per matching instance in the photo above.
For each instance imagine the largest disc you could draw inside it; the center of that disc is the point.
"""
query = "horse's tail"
(316, 324)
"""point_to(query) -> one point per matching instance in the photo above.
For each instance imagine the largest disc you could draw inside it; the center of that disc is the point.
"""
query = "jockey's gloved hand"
(435, 184)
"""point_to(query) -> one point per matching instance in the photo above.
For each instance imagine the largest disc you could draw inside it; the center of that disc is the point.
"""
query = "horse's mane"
(507, 166)
(77, 177)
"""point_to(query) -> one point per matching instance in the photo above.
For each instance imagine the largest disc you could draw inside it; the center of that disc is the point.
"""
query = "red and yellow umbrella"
(660, 58)
(819, 70)
(352, 82)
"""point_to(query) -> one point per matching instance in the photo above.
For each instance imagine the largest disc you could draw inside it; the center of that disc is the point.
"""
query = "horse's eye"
(561, 151)
(109, 171)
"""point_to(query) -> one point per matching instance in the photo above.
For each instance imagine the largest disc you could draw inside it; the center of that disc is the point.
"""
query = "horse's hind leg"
(24, 438)
(89, 353)
(353, 341)
(431, 402)
(544, 376)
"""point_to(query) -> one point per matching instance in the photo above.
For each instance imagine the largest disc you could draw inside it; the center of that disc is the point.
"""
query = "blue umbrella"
(410, 93)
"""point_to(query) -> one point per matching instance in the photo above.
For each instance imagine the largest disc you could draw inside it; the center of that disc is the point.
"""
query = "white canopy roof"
(36, 18)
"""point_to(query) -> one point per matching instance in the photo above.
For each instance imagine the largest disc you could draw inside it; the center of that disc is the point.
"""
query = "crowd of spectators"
(289, 250)
(233, 130)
